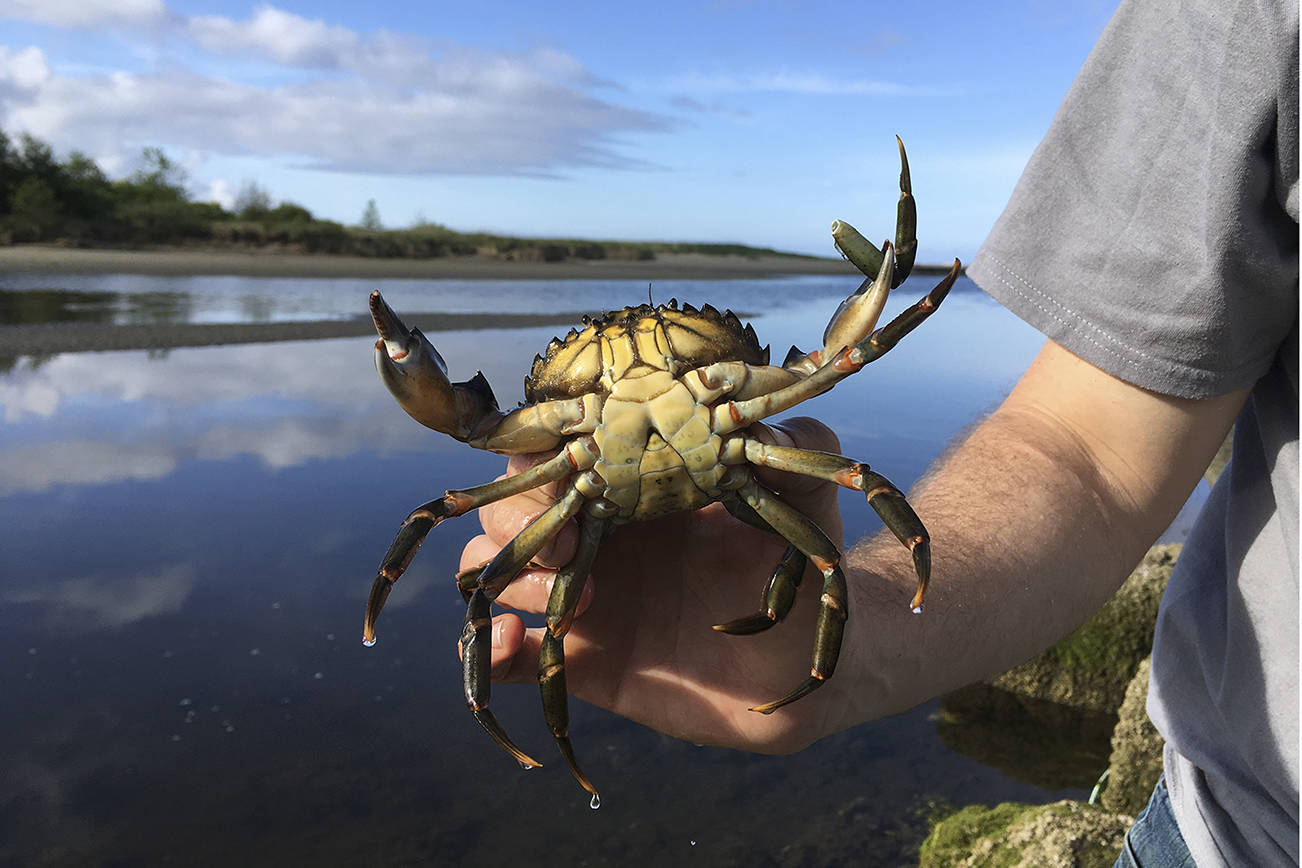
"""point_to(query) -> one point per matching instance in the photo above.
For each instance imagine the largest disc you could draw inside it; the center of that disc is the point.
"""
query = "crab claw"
(417, 376)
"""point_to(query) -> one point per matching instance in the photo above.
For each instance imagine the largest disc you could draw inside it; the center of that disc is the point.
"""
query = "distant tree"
(153, 205)
(37, 159)
(10, 171)
(289, 212)
(159, 178)
(252, 202)
(422, 222)
(85, 196)
(371, 217)
(34, 211)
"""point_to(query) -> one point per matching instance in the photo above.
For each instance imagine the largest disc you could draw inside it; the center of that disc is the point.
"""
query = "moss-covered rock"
(1092, 667)
(1136, 761)
(1011, 835)
(1222, 458)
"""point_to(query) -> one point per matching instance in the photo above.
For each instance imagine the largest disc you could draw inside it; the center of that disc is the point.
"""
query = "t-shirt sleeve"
(1154, 232)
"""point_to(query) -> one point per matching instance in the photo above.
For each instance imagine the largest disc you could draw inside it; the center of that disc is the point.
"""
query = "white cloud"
(282, 36)
(24, 69)
(379, 103)
(220, 191)
(86, 13)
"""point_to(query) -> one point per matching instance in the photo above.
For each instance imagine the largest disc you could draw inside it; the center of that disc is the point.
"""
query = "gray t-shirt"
(1155, 234)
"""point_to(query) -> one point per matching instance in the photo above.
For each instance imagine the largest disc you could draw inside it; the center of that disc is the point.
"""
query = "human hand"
(642, 644)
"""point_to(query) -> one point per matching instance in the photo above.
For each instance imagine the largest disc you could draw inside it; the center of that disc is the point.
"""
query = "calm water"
(186, 543)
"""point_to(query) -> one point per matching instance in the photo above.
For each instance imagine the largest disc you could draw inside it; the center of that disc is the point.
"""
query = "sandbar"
(267, 263)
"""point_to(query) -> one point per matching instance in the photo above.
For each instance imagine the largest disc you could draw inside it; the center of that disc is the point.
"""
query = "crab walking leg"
(779, 595)
(863, 254)
(886, 500)
(730, 416)
(801, 532)
(780, 592)
(513, 557)
(476, 657)
(561, 606)
(423, 519)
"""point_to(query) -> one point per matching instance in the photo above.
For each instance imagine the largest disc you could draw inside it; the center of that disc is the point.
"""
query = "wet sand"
(259, 263)
(74, 337)
(44, 339)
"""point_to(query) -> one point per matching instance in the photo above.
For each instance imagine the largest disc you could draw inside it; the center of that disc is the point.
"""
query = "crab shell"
(657, 452)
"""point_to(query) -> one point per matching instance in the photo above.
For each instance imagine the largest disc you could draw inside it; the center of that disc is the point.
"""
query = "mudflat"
(46, 338)
(266, 263)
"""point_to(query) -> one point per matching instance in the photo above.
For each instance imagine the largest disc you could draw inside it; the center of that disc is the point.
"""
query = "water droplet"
(917, 610)
(369, 642)
(254, 652)
(319, 675)
(595, 803)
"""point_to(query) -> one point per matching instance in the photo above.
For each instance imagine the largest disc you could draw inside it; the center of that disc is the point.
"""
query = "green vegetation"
(1014, 834)
(74, 202)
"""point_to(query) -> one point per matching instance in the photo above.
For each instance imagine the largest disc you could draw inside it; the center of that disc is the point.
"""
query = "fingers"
(801, 432)
(515, 650)
(506, 518)
(529, 591)
(804, 432)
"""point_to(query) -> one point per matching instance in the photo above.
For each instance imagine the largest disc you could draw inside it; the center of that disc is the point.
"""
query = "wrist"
(882, 670)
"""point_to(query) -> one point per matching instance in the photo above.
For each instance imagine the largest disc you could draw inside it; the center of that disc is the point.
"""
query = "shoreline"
(264, 263)
(45, 339)
(60, 337)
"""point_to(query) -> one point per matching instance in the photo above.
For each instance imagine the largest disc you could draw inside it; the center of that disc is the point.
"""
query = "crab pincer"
(417, 376)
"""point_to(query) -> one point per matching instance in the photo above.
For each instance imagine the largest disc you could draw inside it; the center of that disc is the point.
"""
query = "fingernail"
(497, 633)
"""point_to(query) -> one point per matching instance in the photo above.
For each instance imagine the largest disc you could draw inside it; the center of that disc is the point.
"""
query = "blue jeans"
(1154, 841)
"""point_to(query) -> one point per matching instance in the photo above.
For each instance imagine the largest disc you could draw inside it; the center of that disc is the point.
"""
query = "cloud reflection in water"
(101, 601)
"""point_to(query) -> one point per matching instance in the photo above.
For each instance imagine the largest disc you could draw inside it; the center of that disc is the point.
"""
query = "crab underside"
(648, 411)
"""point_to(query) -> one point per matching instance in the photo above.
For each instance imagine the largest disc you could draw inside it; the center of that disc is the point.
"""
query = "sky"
(725, 121)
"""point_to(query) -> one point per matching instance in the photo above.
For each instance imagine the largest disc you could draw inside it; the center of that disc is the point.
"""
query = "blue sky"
(758, 122)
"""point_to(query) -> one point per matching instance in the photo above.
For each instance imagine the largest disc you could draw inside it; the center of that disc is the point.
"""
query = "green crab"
(647, 410)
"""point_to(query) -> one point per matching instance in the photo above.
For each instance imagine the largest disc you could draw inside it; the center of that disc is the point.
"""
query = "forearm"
(1035, 521)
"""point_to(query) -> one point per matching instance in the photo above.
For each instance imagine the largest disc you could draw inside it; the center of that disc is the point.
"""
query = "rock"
(1222, 457)
(1136, 761)
(1067, 834)
(1092, 667)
